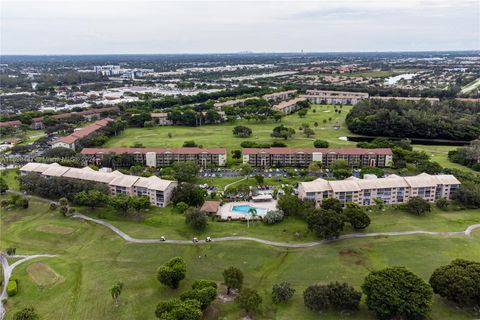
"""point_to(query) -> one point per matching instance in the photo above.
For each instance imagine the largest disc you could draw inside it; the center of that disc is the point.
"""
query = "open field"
(211, 136)
(171, 224)
(42, 274)
(10, 177)
(220, 135)
(92, 258)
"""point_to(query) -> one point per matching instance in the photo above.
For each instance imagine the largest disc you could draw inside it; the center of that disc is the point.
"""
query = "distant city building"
(302, 157)
(334, 97)
(289, 106)
(161, 157)
(108, 70)
(71, 141)
(391, 190)
(159, 191)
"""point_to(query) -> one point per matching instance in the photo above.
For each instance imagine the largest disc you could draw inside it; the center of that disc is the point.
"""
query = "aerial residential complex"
(334, 97)
(279, 96)
(161, 157)
(71, 141)
(158, 190)
(289, 106)
(391, 190)
(88, 115)
(302, 157)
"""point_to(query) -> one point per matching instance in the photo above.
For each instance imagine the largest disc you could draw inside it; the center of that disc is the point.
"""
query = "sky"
(226, 26)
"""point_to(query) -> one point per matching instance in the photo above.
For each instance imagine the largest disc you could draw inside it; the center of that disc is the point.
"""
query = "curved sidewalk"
(128, 238)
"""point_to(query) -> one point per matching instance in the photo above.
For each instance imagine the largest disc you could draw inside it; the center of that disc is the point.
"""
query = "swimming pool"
(246, 208)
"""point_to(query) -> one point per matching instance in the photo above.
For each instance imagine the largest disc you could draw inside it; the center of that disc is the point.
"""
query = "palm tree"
(115, 291)
(253, 212)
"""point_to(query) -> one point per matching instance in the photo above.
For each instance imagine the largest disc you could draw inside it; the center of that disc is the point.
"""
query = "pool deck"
(225, 212)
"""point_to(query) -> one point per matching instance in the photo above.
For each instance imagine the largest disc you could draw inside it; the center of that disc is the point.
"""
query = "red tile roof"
(353, 151)
(121, 150)
(85, 131)
(13, 123)
(81, 113)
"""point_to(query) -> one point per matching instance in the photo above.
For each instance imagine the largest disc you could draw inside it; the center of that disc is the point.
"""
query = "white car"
(162, 238)
(208, 239)
(194, 240)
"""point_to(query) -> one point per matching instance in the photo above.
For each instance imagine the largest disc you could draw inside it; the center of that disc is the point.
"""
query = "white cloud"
(76, 27)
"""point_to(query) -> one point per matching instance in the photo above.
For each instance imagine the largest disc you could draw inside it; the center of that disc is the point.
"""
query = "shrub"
(172, 272)
(273, 216)
(397, 293)
(181, 207)
(357, 218)
(22, 203)
(204, 296)
(53, 206)
(26, 314)
(458, 282)
(12, 288)
(282, 292)
(441, 204)
(249, 299)
(199, 284)
(335, 295)
(417, 205)
(320, 144)
(196, 219)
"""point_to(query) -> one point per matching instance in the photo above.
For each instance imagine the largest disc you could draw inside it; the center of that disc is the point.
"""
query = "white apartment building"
(158, 190)
(392, 190)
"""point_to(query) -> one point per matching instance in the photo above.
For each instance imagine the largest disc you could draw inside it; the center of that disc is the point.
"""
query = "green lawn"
(220, 135)
(11, 178)
(440, 155)
(91, 259)
(211, 136)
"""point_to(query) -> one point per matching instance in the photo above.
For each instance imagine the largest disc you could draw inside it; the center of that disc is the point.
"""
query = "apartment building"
(302, 157)
(161, 118)
(231, 103)
(71, 141)
(88, 115)
(391, 190)
(334, 97)
(289, 106)
(159, 191)
(13, 123)
(431, 100)
(279, 96)
(161, 157)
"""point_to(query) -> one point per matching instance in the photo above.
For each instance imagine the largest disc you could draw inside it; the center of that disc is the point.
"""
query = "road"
(126, 237)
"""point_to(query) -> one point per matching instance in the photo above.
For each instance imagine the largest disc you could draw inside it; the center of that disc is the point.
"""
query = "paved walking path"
(129, 238)
(7, 272)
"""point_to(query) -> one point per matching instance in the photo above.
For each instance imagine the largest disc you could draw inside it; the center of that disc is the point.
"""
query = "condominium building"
(289, 106)
(431, 100)
(391, 190)
(279, 96)
(334, 97)
(161, 157)
(161, 118)
(71, 141)
(159, 191)
(302, 157)
(231, 103)
(88, 115)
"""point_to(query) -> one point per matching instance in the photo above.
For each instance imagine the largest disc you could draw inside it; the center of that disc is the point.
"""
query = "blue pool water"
(246, 208)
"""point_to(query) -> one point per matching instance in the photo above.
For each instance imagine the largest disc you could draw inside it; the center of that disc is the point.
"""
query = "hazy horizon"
(73, 27)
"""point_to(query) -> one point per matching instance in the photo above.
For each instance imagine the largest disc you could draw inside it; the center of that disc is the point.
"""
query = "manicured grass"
(92, 258)
(11, 178)
(440, 154)
(220, 135)
(220, 183)
(171, 224)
